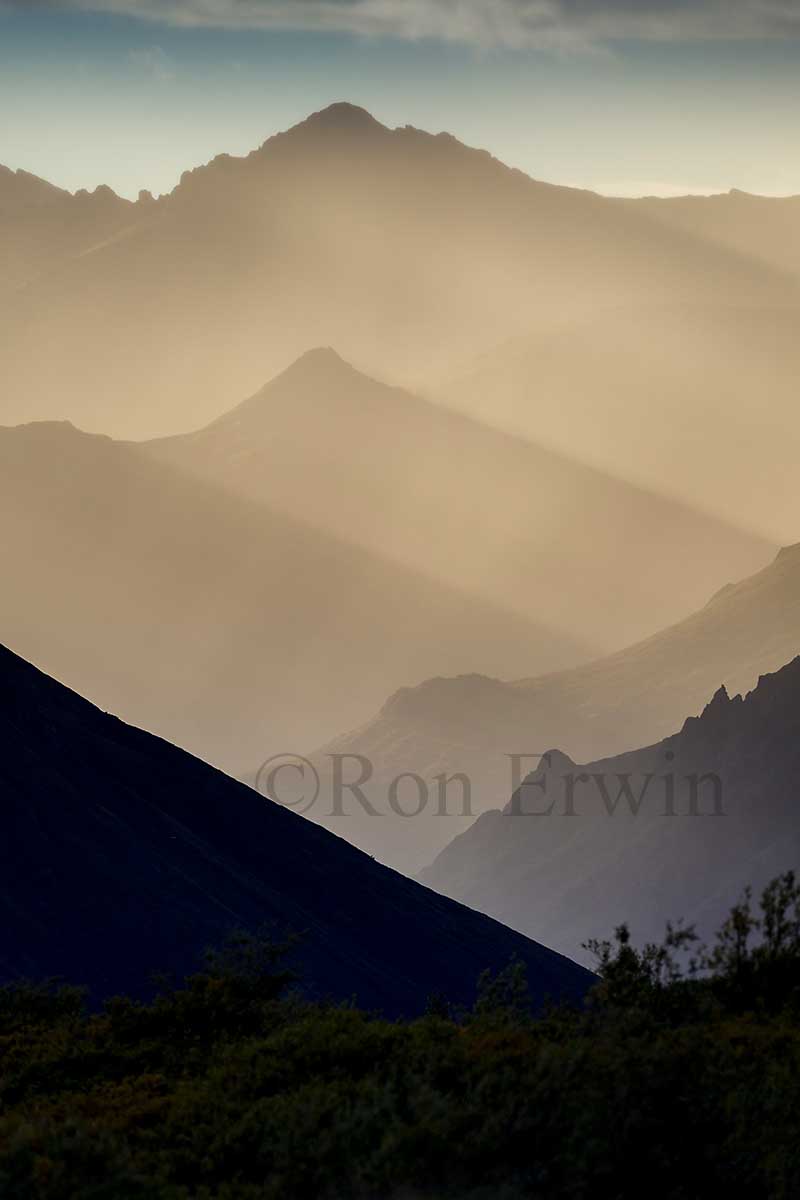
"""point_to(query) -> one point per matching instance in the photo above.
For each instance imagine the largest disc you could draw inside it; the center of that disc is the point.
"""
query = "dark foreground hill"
(121, 855)
(675, 829)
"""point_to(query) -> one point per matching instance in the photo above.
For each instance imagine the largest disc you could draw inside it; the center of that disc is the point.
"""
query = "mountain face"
(20, 191)
(487, 513)
(43, 228)
(470, 725)
(756, 227)
(408, 252)
(122, 855)
(676, 830)
(224, 625)
(691, 400)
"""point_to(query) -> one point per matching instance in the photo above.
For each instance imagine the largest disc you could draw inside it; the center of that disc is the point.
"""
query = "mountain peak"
(343, 115)
(318, 372)
(339, 120)
(555, 761)
(320, 363)
(788, 554)
(320, 356)
(718, 701)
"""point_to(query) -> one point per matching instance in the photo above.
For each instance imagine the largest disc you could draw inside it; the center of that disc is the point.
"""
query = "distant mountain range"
(225, 625)
(410, 253)
(601, 430)
(42, 227)
(253, 587)
(677, 830)
(471, 724)
(488, 514)
(121, 855)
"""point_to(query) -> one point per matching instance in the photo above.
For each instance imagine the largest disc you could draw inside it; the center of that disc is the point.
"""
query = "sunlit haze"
(399, 599)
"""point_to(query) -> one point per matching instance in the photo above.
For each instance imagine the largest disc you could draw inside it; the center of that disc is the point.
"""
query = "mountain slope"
(490, 514)
(678, 849)
(764, 228)
(637, 696)
(20, 191)
(691, 400)
(223, 625)
(42, 227)
(405, 250)
(121, 854)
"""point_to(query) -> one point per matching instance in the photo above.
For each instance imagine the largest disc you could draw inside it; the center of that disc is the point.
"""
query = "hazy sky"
(624, 96)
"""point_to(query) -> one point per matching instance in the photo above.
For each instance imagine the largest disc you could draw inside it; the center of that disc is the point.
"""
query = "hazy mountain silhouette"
(19, 190)
(471, 724)
(487, 513)
(122, 855)
(690, 856)
(764, 228)
(406, 251)
(693, 401)
(42, 227)
(230, 628)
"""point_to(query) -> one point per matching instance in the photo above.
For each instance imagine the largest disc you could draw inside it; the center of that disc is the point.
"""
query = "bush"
(681, 1076)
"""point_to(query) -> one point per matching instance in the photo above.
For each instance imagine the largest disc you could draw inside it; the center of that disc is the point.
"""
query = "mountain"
(122, 855)
(21, 191)
(471, 724)
(43, 227)
(678, 829)
(405, 250)
(763, 228)
(492, 515)
(221, 624)
(691, 400)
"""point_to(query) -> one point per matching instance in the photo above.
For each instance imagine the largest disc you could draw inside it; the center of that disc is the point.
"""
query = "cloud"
(517, 23)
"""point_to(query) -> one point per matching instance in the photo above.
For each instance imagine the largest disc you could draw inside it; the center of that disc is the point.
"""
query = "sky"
(627, 97)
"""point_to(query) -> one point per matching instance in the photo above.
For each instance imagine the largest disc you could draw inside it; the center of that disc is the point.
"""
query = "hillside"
(669, 848)
(694, 400)
(43, 227)
(764, 228)
(488, 514)
(471, 724)
(221, 624)
(123, 855)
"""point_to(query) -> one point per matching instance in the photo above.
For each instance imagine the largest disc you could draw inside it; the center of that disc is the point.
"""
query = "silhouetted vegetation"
(680, 1078)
